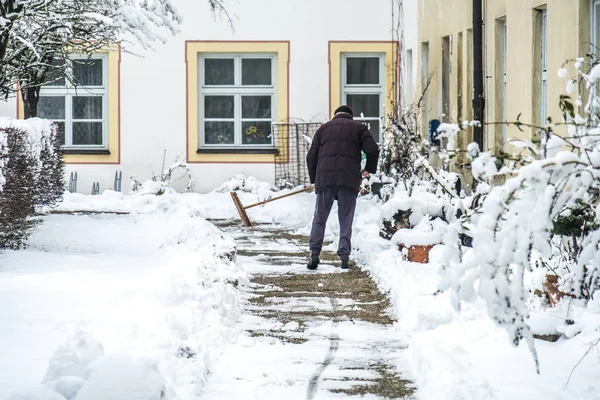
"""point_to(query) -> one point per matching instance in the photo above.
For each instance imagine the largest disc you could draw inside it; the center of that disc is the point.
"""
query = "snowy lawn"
(143, 300)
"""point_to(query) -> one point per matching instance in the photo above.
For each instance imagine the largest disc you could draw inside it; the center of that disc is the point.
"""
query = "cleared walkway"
(323, 334)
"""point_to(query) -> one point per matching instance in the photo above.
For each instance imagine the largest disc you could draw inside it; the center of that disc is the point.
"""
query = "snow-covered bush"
(402, 145)
(543, 218)
(31, 174)
(163, 183)
(246, 184)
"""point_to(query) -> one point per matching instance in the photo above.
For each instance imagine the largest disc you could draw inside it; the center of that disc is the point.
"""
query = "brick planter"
(417, 253)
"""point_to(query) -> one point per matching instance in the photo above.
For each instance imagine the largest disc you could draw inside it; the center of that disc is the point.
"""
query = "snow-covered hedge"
(31, 174)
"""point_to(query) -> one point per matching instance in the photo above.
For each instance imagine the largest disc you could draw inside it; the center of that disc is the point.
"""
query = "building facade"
(525, 43)
(212, 94)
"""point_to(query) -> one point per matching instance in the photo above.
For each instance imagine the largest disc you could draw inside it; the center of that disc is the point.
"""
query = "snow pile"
(424, 234)
(72, 358)
(247, 184)
(157, 319)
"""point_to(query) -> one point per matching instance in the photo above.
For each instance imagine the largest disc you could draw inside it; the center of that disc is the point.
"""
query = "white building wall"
(153, 87)
(8, 108)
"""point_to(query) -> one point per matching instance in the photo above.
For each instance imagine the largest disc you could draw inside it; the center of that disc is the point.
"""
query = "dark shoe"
(345, 264)
(313, 263)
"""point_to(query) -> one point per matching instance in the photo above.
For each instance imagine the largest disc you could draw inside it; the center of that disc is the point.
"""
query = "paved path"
(309, 335)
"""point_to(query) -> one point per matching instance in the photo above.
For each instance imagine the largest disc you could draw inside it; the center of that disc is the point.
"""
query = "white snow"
(128, 283)
(562, 72)
(134, 304)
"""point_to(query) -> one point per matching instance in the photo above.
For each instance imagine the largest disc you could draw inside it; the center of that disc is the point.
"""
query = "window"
(80, 109)
(595, 29)
(363, 75)
(233, 95)
(237, 100)
(500, 82)
(424, 82)
(543, 66)
(446, 69)
(503, 82)
(409, 76)
(363, 82)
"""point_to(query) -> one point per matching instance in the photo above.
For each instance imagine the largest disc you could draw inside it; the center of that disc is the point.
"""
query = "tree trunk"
(31, 97)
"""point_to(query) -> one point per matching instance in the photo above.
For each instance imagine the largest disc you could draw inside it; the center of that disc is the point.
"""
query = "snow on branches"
(36, 33)
(550, 206)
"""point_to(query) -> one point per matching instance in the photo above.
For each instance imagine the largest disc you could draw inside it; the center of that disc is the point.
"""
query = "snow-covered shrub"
(246, 184)
(31, 174)
(163, 183)
(402, 145)
(543, 218)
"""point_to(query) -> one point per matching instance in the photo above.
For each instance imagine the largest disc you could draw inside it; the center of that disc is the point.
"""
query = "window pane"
(596, 27)
(87, 133)
(256, 132)
(373, 125)
(87, 107)
(87, 72)
(60, 128)
(51, 107)
(218, 71)
(55, 76)
(219, 132)
(368, 104)
(218, 107)
(362, 70)
(256, 106)
(256, 71)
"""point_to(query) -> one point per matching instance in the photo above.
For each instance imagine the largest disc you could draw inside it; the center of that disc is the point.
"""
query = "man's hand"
(365, 174)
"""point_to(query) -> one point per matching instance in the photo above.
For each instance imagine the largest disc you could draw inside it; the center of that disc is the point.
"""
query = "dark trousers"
(346, 199)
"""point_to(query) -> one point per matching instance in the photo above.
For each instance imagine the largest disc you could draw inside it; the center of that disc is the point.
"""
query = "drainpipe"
(478, 95)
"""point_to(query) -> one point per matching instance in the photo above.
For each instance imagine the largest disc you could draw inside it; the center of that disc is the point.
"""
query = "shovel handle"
(306, 189)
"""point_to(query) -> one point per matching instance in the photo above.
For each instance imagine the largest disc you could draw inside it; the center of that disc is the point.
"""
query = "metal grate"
(292, 142)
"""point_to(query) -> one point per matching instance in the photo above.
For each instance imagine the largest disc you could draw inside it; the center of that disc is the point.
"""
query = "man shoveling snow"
(334, 166)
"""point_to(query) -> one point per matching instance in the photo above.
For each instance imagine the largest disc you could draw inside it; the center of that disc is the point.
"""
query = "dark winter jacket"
(335, 153)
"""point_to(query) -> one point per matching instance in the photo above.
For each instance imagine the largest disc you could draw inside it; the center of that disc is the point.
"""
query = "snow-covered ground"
(125, 281)
(128, 296)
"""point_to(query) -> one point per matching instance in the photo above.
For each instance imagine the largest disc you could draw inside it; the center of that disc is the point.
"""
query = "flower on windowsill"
(254, 134)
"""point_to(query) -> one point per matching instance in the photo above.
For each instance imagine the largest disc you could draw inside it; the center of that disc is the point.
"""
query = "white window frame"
(504, 40)
(237, 90)
(69, 91)
(350, 89)
(544, 66)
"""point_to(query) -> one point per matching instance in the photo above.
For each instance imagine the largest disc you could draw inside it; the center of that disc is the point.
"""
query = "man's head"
(344, 109)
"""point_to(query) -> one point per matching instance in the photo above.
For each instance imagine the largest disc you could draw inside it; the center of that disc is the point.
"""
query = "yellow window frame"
(337, 48)
(113, 93)
(193, 49)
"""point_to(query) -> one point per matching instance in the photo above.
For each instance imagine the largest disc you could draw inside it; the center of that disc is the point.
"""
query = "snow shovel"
(242, 210)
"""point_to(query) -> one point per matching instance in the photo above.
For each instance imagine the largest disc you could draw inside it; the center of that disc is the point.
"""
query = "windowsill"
(86, 151)
(237, 151)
